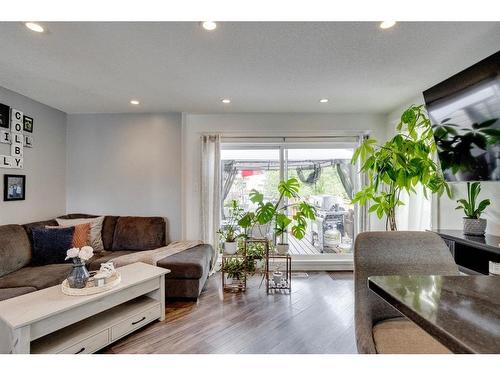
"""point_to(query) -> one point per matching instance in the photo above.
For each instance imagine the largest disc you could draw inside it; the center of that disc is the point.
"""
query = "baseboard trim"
(322, 265)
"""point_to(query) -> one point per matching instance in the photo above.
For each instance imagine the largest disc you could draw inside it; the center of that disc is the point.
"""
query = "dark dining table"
(461, 312)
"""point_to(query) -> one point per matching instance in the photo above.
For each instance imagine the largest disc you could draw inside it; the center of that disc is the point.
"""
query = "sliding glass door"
(327, 180)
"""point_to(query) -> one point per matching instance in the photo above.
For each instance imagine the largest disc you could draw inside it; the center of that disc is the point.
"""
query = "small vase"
(79, 275)
(474, 227)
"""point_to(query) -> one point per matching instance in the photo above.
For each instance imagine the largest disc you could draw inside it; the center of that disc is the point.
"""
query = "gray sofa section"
(189, 271)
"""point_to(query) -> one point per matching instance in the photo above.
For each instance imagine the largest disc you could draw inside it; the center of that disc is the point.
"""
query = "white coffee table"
(48, 321)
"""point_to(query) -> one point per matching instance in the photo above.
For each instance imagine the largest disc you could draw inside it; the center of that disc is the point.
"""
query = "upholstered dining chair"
(379, 327)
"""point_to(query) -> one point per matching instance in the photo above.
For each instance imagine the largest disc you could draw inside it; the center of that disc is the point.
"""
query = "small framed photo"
(4, 116)
(14, 187)
(28, 124)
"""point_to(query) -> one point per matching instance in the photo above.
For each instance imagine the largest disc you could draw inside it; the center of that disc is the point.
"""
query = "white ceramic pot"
(277, 276)
(474, 227)
(282, 248)
(230, 247)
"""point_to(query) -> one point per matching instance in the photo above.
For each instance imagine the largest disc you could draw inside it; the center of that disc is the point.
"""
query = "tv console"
(471, 253)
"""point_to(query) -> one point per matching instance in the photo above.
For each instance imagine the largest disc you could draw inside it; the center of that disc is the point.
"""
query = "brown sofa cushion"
(189, 264)
(36, 277)
(103, 257)
(400, 336)
(7, 293)
(139, 233)
(15, 248)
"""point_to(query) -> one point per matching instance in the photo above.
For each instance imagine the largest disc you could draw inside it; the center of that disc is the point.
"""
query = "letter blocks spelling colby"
(15, 137)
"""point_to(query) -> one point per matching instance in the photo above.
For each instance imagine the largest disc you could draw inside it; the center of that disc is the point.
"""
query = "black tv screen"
(465, 113)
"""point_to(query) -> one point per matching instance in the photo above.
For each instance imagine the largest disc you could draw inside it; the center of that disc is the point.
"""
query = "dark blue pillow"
(50, 245)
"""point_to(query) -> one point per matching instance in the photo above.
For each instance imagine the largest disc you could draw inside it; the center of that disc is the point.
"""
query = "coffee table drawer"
(134, 322)
(89, 345)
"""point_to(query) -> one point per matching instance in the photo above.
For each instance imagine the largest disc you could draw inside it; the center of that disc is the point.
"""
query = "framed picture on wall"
(4, 116)
(14, 187)
(28, 124)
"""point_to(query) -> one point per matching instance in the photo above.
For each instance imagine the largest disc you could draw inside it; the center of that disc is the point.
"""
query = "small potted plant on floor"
(255, 257)
(230, 230)
(234, 269)
(473, 224)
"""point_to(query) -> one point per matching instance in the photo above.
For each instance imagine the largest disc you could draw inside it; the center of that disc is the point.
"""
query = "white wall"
(44, 164)
(277, 124)
(125, 164)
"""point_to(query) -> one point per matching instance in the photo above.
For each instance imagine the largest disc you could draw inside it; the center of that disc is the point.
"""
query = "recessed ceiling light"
(209, 25)
(387, 24)
(324, 100)
(135, 102)
(34, 27)
(226, 101)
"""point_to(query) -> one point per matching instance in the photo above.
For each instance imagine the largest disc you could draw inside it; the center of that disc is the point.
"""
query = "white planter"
(277, 276)
(474, 227)
(282, 248)
(230, 247)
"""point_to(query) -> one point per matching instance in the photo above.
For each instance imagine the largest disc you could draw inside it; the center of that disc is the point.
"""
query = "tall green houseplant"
(400, 164)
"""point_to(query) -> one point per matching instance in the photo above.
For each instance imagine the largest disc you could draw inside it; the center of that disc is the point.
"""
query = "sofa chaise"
(121, 235)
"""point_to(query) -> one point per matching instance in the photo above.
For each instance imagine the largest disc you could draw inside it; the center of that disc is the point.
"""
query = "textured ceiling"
(263, 67)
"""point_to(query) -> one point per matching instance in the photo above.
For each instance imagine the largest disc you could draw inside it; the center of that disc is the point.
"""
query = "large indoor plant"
(473, 224)
(268, 213)
(400, 164)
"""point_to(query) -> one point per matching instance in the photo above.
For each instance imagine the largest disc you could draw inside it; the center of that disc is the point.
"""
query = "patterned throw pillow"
(50, 245)
(95, 230)
(81, 236)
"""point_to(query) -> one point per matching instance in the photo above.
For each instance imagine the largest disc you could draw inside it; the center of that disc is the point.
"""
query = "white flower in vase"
(72, 253)
(86, 253)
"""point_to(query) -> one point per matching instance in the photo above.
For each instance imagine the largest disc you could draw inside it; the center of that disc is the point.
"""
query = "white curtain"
(210, 190)
(416, 212)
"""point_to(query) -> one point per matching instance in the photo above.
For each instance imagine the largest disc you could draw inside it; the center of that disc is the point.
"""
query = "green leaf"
(256, 197)
(307, 210)
(265, 213)
(289, 188)
(298, 231)
(247, 220)
(484, 124)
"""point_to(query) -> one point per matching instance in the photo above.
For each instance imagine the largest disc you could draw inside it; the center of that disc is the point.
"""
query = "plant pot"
(230, 247)
(277, 276)
(282, 248)
(474, 227)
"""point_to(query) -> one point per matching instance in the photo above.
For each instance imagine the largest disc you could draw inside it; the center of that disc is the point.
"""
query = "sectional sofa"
(121, 235)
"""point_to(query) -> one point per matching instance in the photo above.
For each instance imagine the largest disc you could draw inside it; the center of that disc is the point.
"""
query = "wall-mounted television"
(465, 113)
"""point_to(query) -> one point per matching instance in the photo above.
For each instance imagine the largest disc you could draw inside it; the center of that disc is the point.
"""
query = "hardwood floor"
(317, 317)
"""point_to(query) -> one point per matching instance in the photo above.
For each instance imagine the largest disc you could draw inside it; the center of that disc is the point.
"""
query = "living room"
(181, 186)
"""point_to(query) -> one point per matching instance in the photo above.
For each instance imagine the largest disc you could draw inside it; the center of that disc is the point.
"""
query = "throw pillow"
(95, 230)
(81, 236)
(50, 245)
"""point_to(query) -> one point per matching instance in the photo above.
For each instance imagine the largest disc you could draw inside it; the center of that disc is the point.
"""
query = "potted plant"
(268, 213)
(399, 164)
(234, 269)
(255, 257)
(230, 231)
(473, 224)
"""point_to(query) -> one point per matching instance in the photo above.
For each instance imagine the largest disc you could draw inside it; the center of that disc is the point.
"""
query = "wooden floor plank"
(316, 317)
